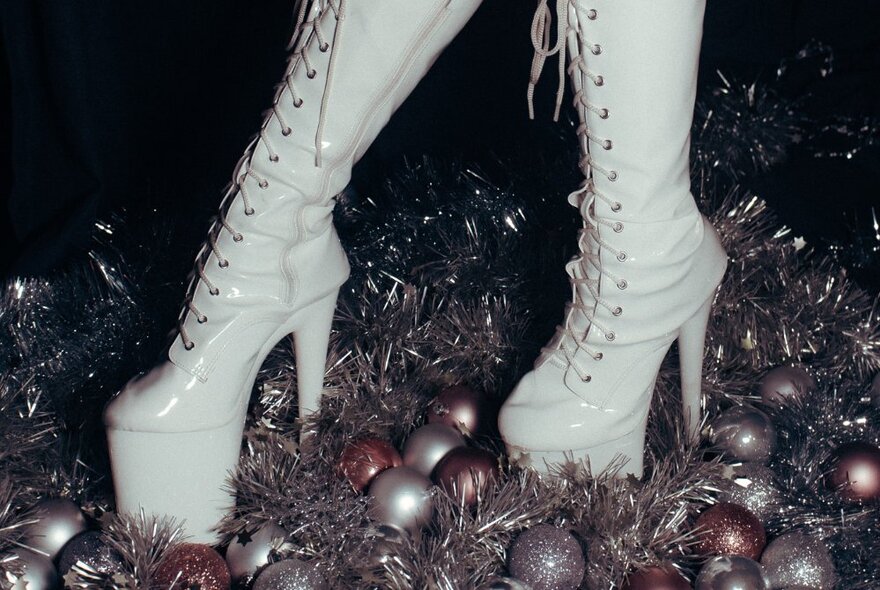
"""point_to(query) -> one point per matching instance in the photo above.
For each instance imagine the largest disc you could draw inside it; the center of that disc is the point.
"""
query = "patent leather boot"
(272, 264)
(649, 262)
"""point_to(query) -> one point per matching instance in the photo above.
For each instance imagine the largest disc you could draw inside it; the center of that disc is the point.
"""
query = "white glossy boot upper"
(649, 260)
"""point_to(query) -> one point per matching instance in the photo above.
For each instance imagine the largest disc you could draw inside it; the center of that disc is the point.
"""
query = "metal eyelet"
(237, 238)
(596, 49)
(249, 211)
(613, 175)
(274, 158)
(264, 184)
(622, 256)
(202, 319)
(599, 81)
(223, 263)
(587, 379)
(622, 284)
(599, 356)
(311, 74)
(189, 345)
(615, 206)
(610, 336)
(592, 14)
(215, 291)
(607, 145)
(617, 227)
(604, 114)
(286, 131)
(298, 103)
(323, 48)
(617, 311)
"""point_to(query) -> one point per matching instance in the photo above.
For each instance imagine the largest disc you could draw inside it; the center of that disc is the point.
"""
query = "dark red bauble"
(730, 529)
(363, 460)
(464, 471)
(192, 565)
(460, 407)
(656, 577)
(854, 472)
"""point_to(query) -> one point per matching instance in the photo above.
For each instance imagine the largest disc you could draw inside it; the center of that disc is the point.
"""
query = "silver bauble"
(290, 574)
(732, 573)
(753, 486)
(427, 445)
(797, 559)
(38, 571)
(547, 558)
(745, 434)
(59, 520)
(388, 543)
(782, 383)
(249, 551)
(402, 497)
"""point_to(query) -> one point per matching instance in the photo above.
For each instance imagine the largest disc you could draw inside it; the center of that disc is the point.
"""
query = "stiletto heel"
(691, 343)
(311, 337)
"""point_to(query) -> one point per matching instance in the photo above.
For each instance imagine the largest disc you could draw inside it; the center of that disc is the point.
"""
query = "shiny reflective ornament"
(460, 407)
(38, 572)
(402, 497)
(782, 383)
(192, 565)
(547, 558)
(752, 486)
(250, 550)
(745, 434)
(89, 548)
(387, 544)
(290, 574)
(730, 529)
(364, 459)
(732, 572)
(656, 577)
(797, 559)
(60, 520)
(854, 472)
(505, 584)
(427, 445)
(465, 473)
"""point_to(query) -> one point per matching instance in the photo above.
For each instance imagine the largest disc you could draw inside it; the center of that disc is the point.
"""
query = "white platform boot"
(272, 264)
(649, 262)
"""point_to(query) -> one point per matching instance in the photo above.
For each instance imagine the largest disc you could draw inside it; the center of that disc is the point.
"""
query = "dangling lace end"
(530, 94)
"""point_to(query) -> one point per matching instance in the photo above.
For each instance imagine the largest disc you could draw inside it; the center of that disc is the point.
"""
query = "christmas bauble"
(460, 407)
(249, 551)
(782, 383)
(505, 584)
(730, 529)
(732, 572)
(402, 497)
(59, 520)
(547, 558)
(745, 434)
(290, 574)
(89, 548)
(854, 472)
(752, 486)
(387, 544)
(192, 565)
(797, 559)
(427, 445)
(38, 571)
(364, 459)
(656, 577)
(465, 473)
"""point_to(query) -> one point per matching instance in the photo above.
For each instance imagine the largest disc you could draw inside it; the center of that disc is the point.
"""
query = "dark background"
(147, 106)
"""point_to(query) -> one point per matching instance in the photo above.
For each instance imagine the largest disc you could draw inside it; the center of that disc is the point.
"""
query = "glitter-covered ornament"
(59, 520)
(364, 459)
(465, 472)
(656, 577)
(461, 407)
(290, 574)
(402, 497)
(752, 486)
(730, 529)
(732, 572)
(797, 559)
(425, 447)
(89, 548)
(854, 472)
(782, 383)
(192, 565)
(745, 434)
(250, 550)
(38, 572)
(547, 558)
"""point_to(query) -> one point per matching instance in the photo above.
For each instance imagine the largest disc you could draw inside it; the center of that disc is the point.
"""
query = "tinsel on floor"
(457, 279)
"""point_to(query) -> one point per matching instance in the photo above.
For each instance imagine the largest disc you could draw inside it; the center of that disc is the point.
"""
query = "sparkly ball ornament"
(854, 472)
(784, 383)
(89, 548)
(752, 486)
(192, 565)
(730, 529)
(402, 497)
(38, 572)
(290, 574)
(732, 572)
(547, 558)
(656, 577)
(363, 460)
(59, 520)
(797, 559)
(460, 407)
(427, 445)
(745, 434)
(465, 473)
(249, 551)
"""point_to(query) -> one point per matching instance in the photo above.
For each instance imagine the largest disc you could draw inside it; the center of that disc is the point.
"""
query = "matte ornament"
(38, 572)
(730, 529)
(783, 383)
(249, 551)
(290, 574)
(89, 548)
(732, 572)
(363, 460)
(193, 565)
(799, 560)
(60, 520)
(465, 473)
(547, 558)
(656, 577)
(854, 472)
(427, 445)
(745, 434)
(753, 486)
(402, 497)
(460, 407)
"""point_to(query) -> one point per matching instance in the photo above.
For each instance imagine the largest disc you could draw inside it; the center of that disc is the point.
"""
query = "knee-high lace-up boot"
(649, 262)
(272, 264)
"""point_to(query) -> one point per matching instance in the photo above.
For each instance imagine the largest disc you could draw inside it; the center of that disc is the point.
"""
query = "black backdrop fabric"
(128, 104)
